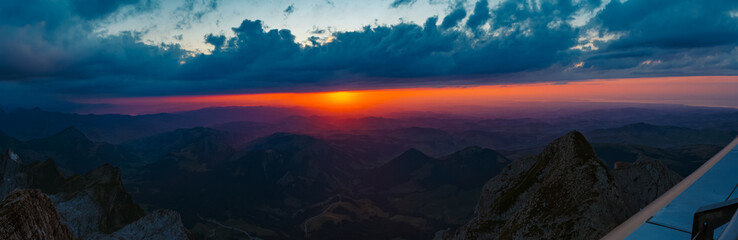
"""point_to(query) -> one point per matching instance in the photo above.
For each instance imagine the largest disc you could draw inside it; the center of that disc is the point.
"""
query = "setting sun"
(341, 98)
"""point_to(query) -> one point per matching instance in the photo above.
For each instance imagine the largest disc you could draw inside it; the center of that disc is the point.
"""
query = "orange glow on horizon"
(700, 91)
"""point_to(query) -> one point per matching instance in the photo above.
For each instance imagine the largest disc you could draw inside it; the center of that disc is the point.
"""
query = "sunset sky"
(337, 56)
(715, 91)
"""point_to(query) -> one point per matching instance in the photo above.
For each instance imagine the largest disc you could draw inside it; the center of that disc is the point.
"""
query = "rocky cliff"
(94, 205)
(95, 202)
(644, 181)
(563, 193)
(158, 225)
(29, 214)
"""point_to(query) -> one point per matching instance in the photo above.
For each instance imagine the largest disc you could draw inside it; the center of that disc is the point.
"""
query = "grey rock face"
(158, 225)
(644, 181)
(29, 214)
(80, 214)
(564, 193)
(96, 202)
(10, 169)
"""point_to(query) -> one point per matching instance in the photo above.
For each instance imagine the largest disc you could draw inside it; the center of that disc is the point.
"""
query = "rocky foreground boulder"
(29, 214)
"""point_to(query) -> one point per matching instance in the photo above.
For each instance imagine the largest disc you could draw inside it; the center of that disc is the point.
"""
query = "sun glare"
(341, 98)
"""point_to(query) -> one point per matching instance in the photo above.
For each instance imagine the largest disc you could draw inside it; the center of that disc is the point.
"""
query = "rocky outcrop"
(94, 205)
(644, 181)
(96, 202)
(29, 214)
(158, 225)
(10, 172)
(564, 193)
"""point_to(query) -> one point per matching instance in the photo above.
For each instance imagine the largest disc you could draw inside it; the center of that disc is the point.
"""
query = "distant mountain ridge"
(27, 124)
(661, 136)
(71, 149)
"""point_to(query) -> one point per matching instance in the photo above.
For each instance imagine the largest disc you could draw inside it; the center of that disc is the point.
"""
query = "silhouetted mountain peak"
(71, 132)
(407, 161)
(68, 137)
(570, 146)
(412, 153)
(474, 152)
(397, 170)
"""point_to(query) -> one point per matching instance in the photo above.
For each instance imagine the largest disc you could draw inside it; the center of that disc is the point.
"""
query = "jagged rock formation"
(564, 193)
(29, 214)
(89, 205)
(158, 225)
(644, 181)
(95, 202)
(39, 175)
(10, 168)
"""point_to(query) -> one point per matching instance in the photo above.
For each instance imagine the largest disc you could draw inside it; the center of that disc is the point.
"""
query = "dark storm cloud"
(402, 53)
(453, 18)
(58, 51)
(60, 44)
(216, 40)
(480, 15)
(671, 33)
(670, 23)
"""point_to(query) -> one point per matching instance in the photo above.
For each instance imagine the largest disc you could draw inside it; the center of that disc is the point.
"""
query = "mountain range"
(284, 176)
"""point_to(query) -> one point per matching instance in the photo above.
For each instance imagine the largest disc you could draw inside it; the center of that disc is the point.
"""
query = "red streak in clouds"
(717, 91)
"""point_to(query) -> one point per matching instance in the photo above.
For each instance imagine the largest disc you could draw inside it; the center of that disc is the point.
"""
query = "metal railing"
(709, 218)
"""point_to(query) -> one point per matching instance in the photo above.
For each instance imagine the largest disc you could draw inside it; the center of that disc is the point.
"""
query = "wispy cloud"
(289, 10)
(400, 3)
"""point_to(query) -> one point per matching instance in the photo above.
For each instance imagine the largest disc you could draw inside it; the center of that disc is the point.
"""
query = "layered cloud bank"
(55, 47)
